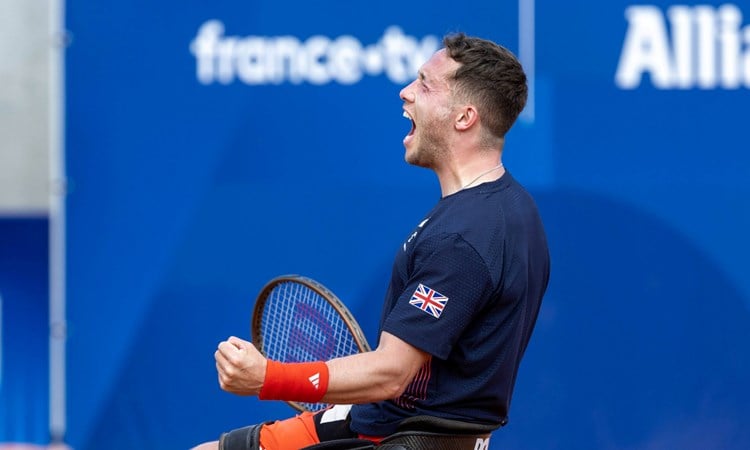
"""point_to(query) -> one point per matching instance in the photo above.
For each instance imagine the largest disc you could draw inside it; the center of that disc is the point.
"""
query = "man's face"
(428, 103)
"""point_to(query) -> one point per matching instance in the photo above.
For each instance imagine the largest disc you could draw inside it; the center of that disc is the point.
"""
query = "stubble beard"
(431, 146)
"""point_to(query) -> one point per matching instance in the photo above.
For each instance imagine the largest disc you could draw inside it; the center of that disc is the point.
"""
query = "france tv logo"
(317, 60)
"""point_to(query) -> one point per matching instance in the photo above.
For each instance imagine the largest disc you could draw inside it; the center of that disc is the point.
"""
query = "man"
(466, 285)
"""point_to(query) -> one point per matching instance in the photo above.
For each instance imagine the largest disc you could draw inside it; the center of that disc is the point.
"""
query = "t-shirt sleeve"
(449, 285)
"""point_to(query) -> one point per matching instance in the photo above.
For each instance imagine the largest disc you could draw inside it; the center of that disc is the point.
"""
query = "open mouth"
(413, 124)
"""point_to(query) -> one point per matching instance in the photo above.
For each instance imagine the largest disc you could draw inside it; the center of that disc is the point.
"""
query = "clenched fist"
(240, 366)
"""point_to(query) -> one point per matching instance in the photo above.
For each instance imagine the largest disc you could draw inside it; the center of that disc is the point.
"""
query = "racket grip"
(295, 382)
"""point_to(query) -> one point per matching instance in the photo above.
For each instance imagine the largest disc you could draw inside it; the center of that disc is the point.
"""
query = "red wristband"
(296, 382)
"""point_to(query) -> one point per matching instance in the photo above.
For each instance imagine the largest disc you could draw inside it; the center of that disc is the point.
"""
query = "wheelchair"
(422, 433)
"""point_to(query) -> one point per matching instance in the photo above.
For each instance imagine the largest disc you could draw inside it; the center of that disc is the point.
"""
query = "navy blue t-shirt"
(466, 288)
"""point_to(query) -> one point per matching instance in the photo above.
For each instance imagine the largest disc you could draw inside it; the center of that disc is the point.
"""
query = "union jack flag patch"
(429, 300)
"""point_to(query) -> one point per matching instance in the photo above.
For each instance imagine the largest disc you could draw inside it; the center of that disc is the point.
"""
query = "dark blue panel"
(24, 356)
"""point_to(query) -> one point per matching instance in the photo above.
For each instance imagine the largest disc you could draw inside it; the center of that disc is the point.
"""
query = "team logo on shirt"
(429, 300)
(414, 234)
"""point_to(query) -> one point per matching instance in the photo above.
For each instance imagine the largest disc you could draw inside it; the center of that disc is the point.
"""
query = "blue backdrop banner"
(214, 145)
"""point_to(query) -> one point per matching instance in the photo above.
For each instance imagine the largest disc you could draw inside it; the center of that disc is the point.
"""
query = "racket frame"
(318, 288)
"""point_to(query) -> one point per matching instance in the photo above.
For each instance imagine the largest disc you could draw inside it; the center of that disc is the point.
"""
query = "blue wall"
(193, 182)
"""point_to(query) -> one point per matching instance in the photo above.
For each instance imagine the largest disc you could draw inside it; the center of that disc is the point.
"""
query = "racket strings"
(300, 325)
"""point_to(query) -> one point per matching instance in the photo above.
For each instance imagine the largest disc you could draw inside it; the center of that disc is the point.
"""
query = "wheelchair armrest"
(433, 424)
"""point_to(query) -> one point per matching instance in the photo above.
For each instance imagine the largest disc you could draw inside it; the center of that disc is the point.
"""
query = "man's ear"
(467, 117)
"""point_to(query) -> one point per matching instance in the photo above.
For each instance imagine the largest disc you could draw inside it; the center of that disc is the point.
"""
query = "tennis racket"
(297, 319)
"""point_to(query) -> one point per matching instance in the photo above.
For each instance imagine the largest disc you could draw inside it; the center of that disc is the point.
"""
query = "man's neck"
(480, 167)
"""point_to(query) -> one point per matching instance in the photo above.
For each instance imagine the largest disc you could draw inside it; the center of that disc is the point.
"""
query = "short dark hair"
(491, 76)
